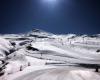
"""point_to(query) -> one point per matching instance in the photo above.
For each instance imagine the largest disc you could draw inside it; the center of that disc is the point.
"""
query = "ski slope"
(60, 74)
(72, 56)
(39, 55)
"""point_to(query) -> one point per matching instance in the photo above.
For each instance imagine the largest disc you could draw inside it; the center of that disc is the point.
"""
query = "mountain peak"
(38, 33)
(36, 30)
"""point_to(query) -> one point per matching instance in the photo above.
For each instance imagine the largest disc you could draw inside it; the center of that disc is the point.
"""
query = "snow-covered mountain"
(46, 50)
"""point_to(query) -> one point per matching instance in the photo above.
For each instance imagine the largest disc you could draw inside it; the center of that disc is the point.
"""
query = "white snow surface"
(50, 73)
(50, 56)
(4, 46)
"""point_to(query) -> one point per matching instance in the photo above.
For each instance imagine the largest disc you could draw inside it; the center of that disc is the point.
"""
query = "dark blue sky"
(64, 16)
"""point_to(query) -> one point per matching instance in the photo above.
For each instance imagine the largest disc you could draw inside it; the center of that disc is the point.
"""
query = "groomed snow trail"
(60, 74)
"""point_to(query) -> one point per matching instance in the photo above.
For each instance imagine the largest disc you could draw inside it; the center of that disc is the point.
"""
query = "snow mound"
(17, 62)
(5, 46)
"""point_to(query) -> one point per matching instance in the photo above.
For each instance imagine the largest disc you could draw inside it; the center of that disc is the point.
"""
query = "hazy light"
(50, 4)
(50, 1)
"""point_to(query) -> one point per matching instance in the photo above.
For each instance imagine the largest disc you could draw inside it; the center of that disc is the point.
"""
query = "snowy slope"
(60, 74)
(39, 48)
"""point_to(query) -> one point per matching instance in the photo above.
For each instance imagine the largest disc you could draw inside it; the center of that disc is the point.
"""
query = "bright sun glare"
(50, 1)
